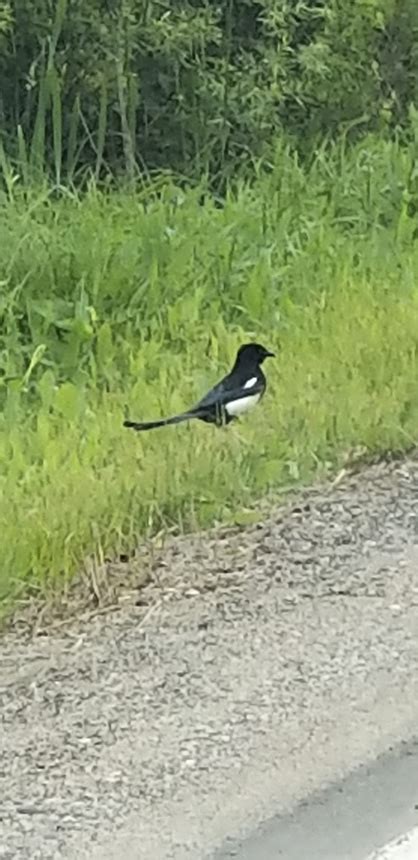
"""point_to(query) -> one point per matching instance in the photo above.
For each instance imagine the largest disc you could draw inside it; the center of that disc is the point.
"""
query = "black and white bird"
(234, 395)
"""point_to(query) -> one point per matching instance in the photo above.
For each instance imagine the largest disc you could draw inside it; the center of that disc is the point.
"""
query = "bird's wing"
(222, 394)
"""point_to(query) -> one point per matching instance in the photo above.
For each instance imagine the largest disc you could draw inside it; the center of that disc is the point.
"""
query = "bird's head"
(253, 353)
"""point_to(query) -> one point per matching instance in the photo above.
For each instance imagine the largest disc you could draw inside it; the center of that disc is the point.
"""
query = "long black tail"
(163, 422)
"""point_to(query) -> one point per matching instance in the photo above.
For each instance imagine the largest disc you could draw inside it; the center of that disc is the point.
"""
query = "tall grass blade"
(60, 13)
(72, 143)
(55, 91)
(23, 156)
(102, 125)
(37, 150)
(9, 176)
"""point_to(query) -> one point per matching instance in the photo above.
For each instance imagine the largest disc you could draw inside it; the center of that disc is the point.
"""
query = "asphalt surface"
(261, 666)
(349, 820)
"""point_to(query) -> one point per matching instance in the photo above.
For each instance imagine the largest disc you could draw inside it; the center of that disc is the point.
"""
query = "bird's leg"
(221, 417)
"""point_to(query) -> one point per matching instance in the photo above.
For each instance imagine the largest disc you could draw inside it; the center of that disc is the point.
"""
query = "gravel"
(258, 664)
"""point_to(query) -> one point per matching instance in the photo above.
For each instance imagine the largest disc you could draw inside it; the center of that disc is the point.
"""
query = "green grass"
(108, 299)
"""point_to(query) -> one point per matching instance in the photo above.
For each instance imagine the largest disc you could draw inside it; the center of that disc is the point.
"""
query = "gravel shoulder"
(262, 664)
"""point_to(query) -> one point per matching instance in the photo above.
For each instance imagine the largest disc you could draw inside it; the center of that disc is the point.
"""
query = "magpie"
(235, 394)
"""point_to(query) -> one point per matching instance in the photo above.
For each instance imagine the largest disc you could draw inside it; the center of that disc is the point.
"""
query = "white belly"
(238, 407)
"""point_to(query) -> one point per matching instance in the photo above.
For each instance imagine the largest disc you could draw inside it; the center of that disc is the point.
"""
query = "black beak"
(269, 354)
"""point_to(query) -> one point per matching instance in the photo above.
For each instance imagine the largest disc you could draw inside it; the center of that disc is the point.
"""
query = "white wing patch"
(250, 382)
(238, 407)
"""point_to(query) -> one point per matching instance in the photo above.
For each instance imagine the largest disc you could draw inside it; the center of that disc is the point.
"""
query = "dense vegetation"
(196, 86)
(271, 153)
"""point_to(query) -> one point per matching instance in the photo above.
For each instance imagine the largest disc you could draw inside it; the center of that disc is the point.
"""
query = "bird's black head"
(253, 353)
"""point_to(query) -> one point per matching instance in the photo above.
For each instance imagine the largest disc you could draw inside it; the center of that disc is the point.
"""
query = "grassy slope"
(110, 300)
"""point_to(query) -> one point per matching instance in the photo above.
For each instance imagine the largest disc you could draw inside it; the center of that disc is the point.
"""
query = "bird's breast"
(238, 407)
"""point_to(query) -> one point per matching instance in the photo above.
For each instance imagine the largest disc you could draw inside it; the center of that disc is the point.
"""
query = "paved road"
(405, 847)
(262, 665)
(350, 820)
